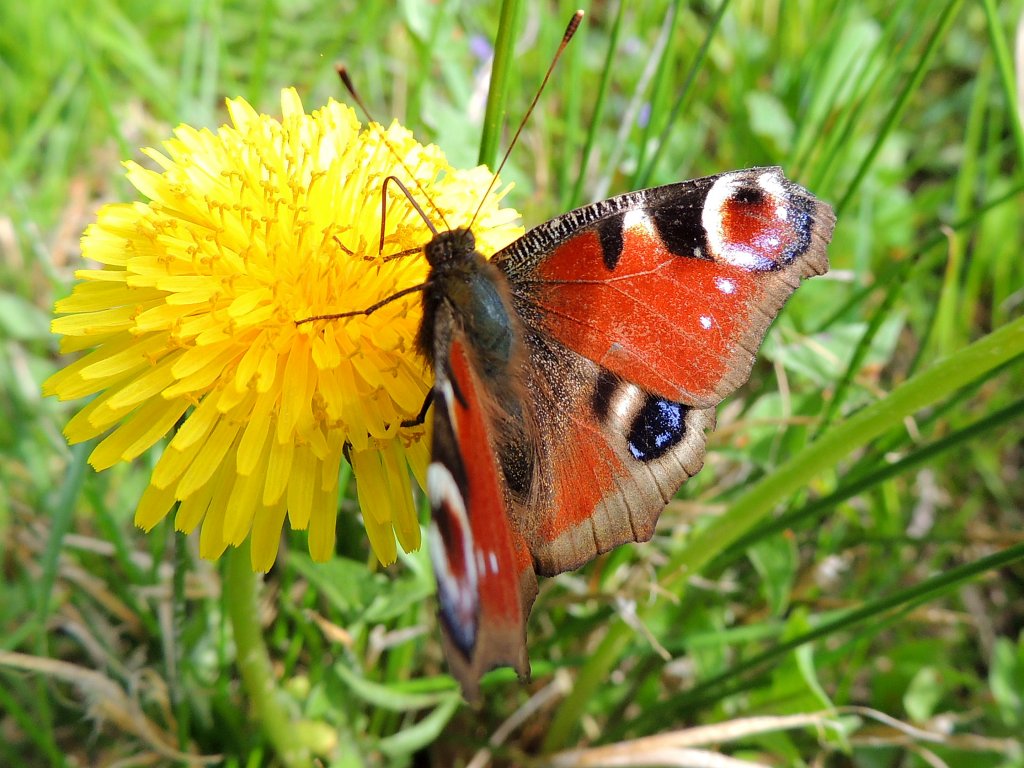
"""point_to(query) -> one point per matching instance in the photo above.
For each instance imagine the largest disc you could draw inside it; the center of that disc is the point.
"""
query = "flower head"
(193, 320)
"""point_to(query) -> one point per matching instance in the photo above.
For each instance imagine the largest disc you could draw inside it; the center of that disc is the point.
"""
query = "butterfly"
(576, 377)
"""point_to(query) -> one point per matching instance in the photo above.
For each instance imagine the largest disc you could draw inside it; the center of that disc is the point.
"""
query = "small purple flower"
(644, 115)
(481, 47)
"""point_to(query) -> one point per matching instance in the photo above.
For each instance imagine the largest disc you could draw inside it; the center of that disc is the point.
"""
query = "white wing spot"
(480, 566)
(623, 405)
(637, 218)
(458, 593)
(725, 285)
(706, 322)
(448, 395)
(771, 183)
(494, 561)
(442, 488)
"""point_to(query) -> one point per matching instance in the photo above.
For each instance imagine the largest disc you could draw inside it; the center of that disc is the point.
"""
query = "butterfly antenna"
(351, 88)
(570, 30)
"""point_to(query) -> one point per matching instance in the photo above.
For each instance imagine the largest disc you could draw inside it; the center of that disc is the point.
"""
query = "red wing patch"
(672, 325)
(586, 471)
(486, 582)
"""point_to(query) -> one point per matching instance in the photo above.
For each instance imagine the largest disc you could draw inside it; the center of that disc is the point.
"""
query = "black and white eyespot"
(756, 220)
(453, 554)
(652, 425)
(657, 428)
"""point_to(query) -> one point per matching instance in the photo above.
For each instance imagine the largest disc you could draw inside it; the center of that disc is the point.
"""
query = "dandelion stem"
(268, 706)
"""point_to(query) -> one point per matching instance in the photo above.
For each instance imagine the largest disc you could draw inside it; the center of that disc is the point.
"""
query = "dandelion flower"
(193, 320)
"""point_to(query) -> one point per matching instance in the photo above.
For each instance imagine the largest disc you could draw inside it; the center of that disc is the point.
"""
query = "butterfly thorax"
(478, 297)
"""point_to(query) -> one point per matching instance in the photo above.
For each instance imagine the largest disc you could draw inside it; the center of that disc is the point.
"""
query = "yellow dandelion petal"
(279, 469)
(322, 524)
(377, 490)
(266, 536)
(247, 365)
(70, 383)
(212, 541)
(209, 457)
(135, 391)
(94, 297)
(266, 369)
(231, 399)
(139, 432)
(72, 344)
(115, 361)
(254, 444)
(332, 462)
(310, 434)
(213, 362)
(295, 389)
(197, 318)
(173, 463)
(193, 509)
(96, 323)
(418, 456)
(302, 486)
(242, 505)
(403, 513)
(79, 428)
(211, 536)
(197, 426)
(153, 507)
(94, 278)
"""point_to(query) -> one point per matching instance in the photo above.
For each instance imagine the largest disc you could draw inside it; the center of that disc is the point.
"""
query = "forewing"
(672, 288)
(486, 583)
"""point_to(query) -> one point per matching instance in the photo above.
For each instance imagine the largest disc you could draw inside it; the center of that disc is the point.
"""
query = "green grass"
(851, 553)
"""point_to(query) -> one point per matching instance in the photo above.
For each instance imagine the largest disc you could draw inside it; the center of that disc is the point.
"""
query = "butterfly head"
(450, 247)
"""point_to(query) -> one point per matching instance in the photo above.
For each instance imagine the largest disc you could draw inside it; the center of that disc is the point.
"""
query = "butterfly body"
(476, 293)
(576, 377)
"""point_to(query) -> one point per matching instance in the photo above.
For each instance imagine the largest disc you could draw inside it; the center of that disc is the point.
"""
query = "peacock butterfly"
(577, 373)
(576, 376)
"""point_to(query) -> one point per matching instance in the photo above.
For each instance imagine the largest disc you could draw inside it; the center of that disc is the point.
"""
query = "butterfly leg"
(370, 309)
(422, 415)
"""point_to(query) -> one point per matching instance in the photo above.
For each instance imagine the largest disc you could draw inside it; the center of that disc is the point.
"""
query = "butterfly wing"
(575, 390)
(486, 583)
(608, 456)
(672, 288)
(640, 314)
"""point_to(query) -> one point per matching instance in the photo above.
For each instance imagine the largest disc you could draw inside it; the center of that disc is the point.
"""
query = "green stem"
(1004, 64)
(268, 704)
(501, 73)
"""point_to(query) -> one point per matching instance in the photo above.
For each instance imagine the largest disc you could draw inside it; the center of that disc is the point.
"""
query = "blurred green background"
(853, 546)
